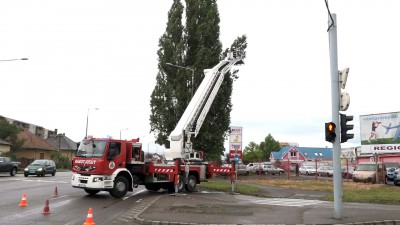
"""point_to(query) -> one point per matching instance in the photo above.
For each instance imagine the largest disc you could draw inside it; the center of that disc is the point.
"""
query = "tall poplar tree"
(168, 100)
(197, 48)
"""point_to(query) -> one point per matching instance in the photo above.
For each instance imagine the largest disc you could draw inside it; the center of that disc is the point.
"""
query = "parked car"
(268, 169)
(390, 174)
(307, 170)
(369, 172)
(7, 166)
(396, 179)
(325, 171)
(347, 171)
(242, 170)
(41, 167)
(258, 168)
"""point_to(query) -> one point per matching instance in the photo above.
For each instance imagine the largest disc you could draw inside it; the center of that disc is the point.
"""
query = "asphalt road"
(70, 206)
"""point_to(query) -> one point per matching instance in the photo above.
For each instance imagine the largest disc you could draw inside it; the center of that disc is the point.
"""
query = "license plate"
(81, 185)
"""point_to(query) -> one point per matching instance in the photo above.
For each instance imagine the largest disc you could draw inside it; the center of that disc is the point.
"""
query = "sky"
(102, 54)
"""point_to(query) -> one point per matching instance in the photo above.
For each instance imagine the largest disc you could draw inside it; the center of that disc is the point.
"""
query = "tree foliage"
(196, 46)
(169, 97)
(9, 132)
(260, 152)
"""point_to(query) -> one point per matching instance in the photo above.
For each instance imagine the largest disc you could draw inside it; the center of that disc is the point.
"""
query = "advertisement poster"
(380, 133)
(235, 142)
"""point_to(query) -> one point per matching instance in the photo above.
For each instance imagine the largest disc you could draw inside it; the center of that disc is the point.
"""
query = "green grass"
(227, 187)
(352, 192)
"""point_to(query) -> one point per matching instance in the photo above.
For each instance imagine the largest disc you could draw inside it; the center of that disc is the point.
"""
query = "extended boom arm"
(194, 115)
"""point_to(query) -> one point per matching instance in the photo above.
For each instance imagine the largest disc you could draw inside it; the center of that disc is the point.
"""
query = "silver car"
(307, 170)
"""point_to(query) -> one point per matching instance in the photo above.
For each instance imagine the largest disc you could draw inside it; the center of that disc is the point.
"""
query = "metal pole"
(4, 60)
(335, 92)
(87, 122)
(192, 81)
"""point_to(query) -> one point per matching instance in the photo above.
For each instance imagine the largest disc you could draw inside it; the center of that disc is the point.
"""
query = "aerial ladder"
(180, 144)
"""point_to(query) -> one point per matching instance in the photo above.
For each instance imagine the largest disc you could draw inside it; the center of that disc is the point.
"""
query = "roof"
(33, 142)
(3, 142)
(308, 152)
(62, 142)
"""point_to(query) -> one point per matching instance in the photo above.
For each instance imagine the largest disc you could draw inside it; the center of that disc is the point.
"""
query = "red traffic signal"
(330, 134)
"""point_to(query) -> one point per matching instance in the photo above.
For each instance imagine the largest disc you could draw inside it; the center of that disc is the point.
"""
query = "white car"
(307, 170)
(325, 171)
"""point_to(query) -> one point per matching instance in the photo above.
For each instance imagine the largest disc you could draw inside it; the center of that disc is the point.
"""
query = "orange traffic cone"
(55, 194)
(89, 218)
(46, 209)
(23, 201)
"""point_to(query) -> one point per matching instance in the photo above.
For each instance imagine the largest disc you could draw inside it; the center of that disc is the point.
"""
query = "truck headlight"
(97, 179)
(26, 169)
(40, 169)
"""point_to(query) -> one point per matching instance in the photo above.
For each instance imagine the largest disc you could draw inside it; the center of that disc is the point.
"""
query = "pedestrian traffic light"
(344, 97)
(344, 128)
(330, 134)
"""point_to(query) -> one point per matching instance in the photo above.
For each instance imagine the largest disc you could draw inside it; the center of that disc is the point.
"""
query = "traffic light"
(330, 134)
(344, 96)
(344, 128)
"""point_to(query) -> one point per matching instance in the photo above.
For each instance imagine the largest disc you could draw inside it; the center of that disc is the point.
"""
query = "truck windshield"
(91, 148)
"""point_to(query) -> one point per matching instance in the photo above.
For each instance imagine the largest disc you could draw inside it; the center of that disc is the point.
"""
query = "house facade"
(288, 157)
(4, 147)
(63, 144)
(33, 148)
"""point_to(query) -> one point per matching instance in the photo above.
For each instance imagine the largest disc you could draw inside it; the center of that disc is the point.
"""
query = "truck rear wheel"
(120, 188)
(191, 185)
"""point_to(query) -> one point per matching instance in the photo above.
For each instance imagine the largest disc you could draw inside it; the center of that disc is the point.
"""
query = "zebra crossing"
(287, 202)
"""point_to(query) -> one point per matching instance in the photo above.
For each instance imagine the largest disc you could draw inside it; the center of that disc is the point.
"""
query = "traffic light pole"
(335, 92)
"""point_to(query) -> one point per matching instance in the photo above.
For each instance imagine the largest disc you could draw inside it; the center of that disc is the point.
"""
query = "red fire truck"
(118, 166)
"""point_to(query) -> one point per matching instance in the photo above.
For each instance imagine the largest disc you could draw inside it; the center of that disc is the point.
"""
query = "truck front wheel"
(191, 185)
(120, 188)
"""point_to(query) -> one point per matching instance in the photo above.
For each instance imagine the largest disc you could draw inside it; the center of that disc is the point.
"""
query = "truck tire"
(91, 192)
(120, 188)
(152, 187)
(191, 185)
(13, 172)
(181, 186)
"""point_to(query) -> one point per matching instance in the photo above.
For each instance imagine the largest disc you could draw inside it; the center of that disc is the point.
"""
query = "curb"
(137, 220)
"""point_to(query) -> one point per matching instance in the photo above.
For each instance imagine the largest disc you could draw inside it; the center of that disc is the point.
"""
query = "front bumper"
(93, 182)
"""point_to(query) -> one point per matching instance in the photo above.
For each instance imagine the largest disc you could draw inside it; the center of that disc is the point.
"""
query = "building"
(39, 131)
(288, 157)
(33, 148)
(63, 144)
(4, 147)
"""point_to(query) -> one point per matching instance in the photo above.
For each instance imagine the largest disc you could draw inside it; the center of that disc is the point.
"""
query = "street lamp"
(3, 60)
(187, 68)
(87, 119)
(120, 132)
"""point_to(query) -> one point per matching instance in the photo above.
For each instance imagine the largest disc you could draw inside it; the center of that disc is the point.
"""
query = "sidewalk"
(282, 206)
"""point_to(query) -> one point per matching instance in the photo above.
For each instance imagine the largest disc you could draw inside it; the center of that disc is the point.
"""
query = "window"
(293, 154)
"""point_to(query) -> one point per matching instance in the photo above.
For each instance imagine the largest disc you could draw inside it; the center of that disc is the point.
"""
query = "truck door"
(114, 158)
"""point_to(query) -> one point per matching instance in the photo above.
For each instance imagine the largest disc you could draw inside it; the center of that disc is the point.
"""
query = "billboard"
(379, 133)
(235, 142)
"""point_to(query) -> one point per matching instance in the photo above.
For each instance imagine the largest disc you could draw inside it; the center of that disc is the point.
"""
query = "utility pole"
(335, 92)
